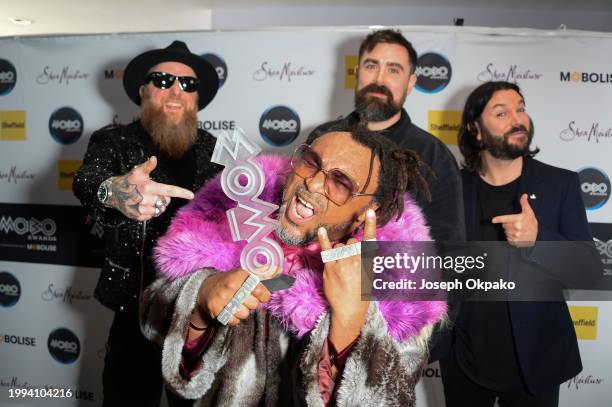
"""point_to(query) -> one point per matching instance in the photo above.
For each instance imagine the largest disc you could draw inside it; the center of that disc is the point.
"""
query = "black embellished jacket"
(114, 150)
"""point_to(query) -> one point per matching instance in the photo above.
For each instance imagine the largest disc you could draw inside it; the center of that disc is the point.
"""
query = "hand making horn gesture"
(521, 229)
(140, 198)
(342, 284)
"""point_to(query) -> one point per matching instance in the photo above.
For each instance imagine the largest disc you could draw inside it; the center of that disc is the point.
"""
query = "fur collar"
(199, 237)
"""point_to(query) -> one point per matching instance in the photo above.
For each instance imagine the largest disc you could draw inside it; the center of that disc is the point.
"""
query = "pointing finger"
(169, 190)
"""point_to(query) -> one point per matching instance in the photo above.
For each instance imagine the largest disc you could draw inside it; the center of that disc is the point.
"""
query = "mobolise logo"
(433, 72)
(279, 126)
(220, 66)
(8, 77)
(595, 187)
(10, 289)
(66, 125)
(64, 346)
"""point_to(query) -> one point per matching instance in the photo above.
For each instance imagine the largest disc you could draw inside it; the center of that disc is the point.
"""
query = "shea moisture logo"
(511, 73)
(63, 76)
(590, 133)
(285, 72)
(15, 175)
(575, 383)
(68, 295)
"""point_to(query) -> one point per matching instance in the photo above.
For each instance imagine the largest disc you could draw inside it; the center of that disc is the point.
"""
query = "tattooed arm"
(134, 194)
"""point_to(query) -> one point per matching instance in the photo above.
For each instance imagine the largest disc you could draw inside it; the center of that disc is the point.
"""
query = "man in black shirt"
(133, 180)
(516, 351)
(385, 77)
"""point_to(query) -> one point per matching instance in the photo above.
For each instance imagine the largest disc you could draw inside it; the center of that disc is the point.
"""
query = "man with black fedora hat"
(129, 177)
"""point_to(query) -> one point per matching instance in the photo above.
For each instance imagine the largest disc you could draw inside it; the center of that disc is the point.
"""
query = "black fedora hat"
(136, 70)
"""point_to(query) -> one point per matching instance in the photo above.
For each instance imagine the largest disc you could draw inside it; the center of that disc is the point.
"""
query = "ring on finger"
(160, 203)
(157, 212)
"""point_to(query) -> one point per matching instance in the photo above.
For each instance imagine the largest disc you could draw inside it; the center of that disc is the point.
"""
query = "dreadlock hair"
(399, 169)
(474, 106)
(388, 36)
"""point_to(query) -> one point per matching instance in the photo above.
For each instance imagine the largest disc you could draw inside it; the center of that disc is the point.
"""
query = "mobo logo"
(219, 64)
(279, 126)
(32, 226)
(595, 187)
(8, 77)
(64, 346)
(10, 290)
(66, 125)
(433, 73)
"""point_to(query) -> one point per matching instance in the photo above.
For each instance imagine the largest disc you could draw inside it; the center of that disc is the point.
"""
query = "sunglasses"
(163, 80)
(339, 186)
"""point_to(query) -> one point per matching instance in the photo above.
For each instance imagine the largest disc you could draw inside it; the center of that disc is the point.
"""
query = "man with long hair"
(515, 351)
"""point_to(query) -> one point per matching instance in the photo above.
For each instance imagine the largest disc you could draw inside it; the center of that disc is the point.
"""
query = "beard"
(501, 148)
(171, 137)
(374, 109)
(291, 239)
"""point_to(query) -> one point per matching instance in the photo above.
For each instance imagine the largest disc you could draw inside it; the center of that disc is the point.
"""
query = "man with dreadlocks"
(316, 343)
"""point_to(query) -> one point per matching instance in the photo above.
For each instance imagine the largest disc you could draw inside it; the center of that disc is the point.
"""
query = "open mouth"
(173, 106)
(300, 210)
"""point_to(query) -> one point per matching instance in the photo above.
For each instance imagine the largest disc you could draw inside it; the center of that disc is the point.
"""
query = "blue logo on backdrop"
(220, 66)
(10, 290)
(64, 346)
(66, 125)
(279, 126)
(8, 77)
(433, 73)
(595, 187)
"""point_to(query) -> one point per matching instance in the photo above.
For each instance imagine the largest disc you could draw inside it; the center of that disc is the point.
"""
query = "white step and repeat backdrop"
(276, 85)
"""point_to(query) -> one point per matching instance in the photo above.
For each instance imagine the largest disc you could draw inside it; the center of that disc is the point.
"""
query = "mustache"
(516, 129)
(377, 89)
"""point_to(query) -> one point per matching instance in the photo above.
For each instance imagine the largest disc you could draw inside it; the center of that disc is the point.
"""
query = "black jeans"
(132, 366)
(461, 391)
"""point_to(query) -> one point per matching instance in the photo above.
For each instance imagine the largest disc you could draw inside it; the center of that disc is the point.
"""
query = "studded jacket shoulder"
(115, 150)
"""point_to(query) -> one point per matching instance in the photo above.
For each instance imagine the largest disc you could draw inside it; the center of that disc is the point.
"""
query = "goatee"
(172, 138)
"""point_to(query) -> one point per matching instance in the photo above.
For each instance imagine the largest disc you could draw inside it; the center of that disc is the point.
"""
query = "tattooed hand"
(139, 197)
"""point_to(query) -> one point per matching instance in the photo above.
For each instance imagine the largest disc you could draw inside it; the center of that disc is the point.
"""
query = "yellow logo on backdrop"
(66, 170)
(12, 125)
(585, 321)
(444, 124)
(350, 77)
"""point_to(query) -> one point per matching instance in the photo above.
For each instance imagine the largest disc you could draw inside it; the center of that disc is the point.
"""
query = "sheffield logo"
(8, 77)
(585, 77)
(595, 187)
(219, 64)
(66, 125)
(510, 74)
(10, 289)
(433, 73)
(64, 346)
(279, 126)
(12, 125)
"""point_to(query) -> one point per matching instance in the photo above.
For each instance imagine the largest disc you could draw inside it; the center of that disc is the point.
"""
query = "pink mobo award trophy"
(243, 181)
